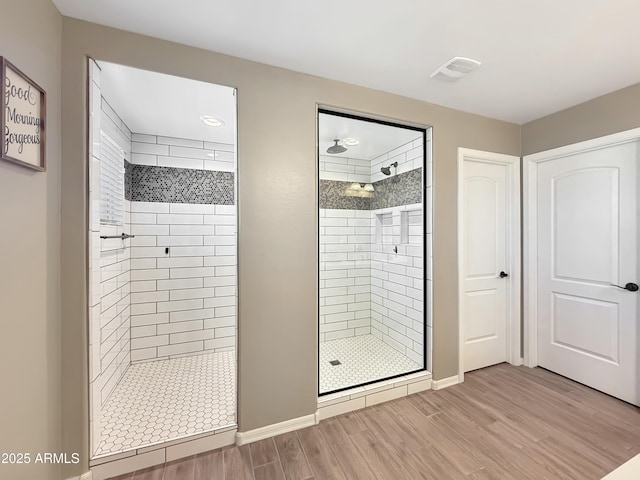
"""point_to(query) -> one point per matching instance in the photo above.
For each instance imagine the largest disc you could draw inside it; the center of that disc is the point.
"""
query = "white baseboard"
(445, 382)
(84, 476)
(518, 362)
(261, 433)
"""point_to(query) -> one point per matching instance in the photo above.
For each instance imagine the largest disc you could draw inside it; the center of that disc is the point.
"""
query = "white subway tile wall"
(409, 157)
(365, 286)
(183, 279)
(345, 273)
(182, 153)
(332, 167)
(397, 280)
(109, 267)
(115, 287)
(113, 125)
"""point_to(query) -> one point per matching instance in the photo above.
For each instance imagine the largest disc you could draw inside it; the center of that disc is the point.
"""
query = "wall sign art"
(23, 116)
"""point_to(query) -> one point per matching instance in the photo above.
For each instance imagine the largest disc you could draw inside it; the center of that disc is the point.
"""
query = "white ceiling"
(158, 104)
(538, 56)
(375, 138)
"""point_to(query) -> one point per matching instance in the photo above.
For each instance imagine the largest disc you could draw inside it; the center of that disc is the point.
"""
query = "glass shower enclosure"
(372, 250)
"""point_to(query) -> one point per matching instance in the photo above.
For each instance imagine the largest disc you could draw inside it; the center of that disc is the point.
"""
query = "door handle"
(503, 274)
(632, 287)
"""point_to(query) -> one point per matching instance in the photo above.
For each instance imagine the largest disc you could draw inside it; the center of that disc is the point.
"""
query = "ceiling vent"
(455, 68)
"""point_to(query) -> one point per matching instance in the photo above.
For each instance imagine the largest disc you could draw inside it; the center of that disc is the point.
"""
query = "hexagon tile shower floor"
(362, 359)
(169, 399)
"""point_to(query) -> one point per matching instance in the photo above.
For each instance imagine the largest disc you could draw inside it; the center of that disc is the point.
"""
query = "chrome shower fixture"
(387, 170)
(333, 149)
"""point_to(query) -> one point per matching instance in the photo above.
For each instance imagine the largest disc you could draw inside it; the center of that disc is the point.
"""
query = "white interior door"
(587, 241)
(489, 226)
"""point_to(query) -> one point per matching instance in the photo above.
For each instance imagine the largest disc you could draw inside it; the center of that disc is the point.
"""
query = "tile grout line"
(253, 472)
(275, 445)
(306, 457)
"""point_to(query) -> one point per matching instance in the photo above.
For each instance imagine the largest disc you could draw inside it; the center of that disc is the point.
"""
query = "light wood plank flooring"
(502, 423)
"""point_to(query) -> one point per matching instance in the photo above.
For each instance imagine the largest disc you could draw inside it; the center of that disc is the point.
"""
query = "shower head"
(387, 170)
(336, 148)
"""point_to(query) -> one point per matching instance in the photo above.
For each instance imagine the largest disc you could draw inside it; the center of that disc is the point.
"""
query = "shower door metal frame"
(426, 132)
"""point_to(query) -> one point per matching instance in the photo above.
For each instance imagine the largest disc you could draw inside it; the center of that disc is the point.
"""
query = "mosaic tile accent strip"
(363, 359)
(169, 399)
(128, 172)
(337, 194)
(402, 189)
(181, 185)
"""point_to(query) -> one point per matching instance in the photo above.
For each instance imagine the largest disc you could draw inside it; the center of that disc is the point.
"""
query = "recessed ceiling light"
(350, 141)
(211, 154)
(211, 121)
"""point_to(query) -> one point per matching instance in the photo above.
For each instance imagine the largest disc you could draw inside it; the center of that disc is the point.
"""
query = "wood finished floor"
(502, 423)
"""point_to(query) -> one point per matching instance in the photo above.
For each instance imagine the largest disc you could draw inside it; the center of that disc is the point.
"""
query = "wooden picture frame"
(22, 118)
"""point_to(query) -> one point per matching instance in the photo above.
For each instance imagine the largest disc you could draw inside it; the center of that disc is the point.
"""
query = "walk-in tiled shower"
(373, 241)
(159, 401)
(163, 296)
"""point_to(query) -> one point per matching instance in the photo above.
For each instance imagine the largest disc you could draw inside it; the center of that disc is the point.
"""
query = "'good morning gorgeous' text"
(12, 91)
(18, 95)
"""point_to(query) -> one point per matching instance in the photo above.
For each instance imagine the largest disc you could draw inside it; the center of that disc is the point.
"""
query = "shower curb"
(362, 397)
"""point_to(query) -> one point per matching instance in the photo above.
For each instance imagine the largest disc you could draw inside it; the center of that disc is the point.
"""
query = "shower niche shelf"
(392, 225)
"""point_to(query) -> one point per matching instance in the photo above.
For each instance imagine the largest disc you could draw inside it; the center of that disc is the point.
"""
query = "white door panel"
(585, 224)
(482, 322)
(484, 224)
(586, 326)
(486, 195)
(587, 219)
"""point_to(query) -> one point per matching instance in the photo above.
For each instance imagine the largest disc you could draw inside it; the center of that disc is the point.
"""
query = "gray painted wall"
(277, 291)
(277, 213)
(611, 113)
(30, 38)
(48, 395)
